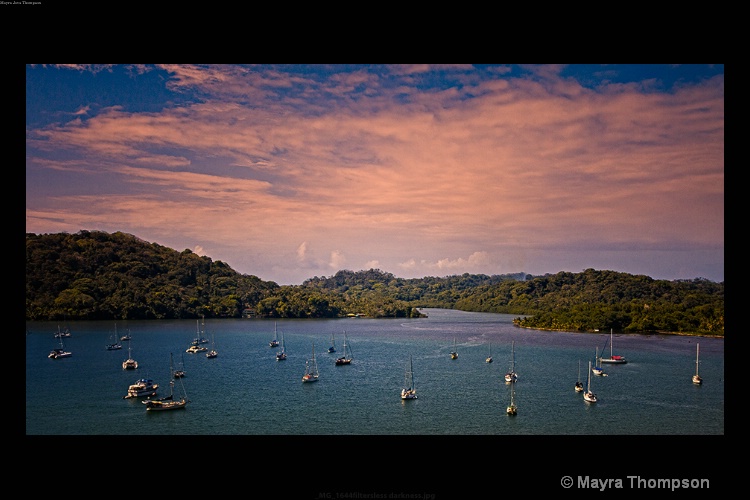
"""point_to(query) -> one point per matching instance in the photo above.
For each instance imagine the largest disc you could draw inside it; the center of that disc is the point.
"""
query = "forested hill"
(98, 275)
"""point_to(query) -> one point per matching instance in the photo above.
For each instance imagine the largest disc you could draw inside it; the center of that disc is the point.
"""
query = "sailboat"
(311, 368)
(195, 344)
(408, 391)
(179, 373)
(697, 378)
(333, 345)
(347, 357)
(512, 408)
(275, 340)
(453, 353)
(281, 355)
(130, 363)
(115, 344)
(597, 368)
(126, 337)
(213, 352)
(579, 384)
(200, 333)
(62, 333)
(489, 357)
(60, 352)
(588, 395)
(512, 376)
(168, 402)
(612, 359)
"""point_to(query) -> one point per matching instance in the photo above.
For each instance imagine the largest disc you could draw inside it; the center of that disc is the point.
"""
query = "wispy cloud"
(370, 165)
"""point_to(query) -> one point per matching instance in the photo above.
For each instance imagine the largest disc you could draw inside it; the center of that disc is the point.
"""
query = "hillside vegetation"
(98, 275)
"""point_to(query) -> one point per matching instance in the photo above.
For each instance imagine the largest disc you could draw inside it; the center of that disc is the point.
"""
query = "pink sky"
(287, 174)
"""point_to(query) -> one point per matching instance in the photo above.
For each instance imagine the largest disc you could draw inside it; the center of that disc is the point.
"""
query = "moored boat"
(141, 388)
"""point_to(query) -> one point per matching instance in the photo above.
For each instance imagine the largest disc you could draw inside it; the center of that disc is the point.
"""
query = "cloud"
(369, 163)
(338, 261)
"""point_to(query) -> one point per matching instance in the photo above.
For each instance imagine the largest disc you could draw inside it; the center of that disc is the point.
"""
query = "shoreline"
(680, 334)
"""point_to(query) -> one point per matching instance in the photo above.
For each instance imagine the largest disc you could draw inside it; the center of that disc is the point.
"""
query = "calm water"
(245, 391)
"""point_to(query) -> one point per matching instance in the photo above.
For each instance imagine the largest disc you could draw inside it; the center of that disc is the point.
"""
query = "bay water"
(246, 391)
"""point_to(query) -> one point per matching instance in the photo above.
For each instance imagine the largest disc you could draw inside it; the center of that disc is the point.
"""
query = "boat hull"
(166, 405)
(408, 394)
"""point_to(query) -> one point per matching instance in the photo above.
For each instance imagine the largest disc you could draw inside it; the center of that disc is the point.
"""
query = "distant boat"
(126, 337)
(275, 340)
(193, 349)
(512, 408)
(347, 357)
(62, 333)
(409, 391)
(130, 363)
(144, 387)
(589, 396)
(115, 344)
(60, 352)
(181, 371)
(489, 357)
(168, 402)
(281, 354)
(512, 376)
(697, 378)
(597, 368)
(333, 345)
(200, 333)
(311, 368)
(213, 352)
(579, 384)
(454, 353)
(612, 359)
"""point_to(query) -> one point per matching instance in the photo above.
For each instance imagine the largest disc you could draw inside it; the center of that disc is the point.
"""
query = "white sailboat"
(512, 376)
(275, 340)
(200, 334)
(179, 373)
(333, 345)
(597, 368)
(409, 391)
(612, 359)
(212, 353)
(489, 356)
(454, 353)
(579, 384)
(168, 402)
(62, 333)
(697, 378)
(346, 359)
(589, 396)
(130, 363)
(512, 408)
(115, 344)
(60, 352)
(311, 368)
(281, 354)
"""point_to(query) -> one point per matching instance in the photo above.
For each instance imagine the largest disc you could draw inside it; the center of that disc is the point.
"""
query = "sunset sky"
(287, 172)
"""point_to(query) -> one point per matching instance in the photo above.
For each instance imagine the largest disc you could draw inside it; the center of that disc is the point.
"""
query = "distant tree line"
(99, 275)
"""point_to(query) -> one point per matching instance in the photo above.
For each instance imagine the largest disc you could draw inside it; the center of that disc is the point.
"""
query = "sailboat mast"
(171, 377)
(697, 350)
